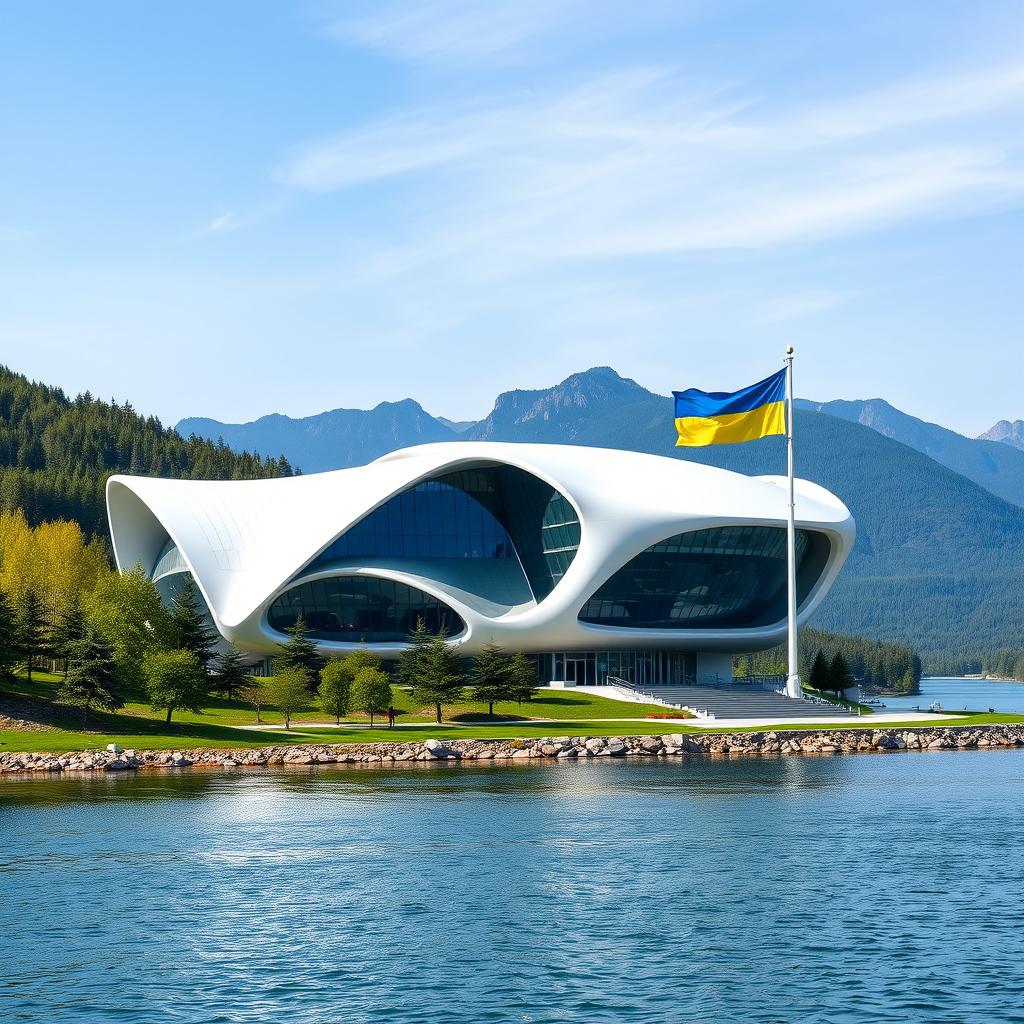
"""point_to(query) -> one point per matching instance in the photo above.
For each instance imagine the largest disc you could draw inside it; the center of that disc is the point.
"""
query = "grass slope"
(136, 725)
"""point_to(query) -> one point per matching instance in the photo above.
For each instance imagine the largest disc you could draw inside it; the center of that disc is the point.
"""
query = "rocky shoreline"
(780, 742)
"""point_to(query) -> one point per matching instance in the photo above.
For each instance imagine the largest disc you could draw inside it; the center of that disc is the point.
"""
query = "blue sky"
(229, 209)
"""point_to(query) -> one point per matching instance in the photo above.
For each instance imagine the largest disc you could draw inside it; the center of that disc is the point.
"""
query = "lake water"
(844, 889)
(957, 694)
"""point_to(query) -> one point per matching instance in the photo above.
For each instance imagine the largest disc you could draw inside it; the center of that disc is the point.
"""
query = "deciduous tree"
(175, 679)
(126, 609)
(371, 692)
(288, 691)
(333, 693)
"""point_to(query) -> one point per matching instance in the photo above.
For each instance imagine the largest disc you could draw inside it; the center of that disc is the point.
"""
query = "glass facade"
(732, 576)
(361, 609)
(495, 512)
(597, 668)
(443, 518)
(169, 560)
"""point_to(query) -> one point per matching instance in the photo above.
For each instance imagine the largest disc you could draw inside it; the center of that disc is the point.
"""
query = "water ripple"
(815, 890)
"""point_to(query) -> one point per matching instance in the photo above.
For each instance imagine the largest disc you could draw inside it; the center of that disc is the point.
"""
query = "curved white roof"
(245, 541)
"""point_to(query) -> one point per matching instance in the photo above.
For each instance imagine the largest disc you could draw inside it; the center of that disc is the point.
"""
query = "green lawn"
(551, 713)
(136, 725)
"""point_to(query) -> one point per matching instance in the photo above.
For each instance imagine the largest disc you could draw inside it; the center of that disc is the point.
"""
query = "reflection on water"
(819, 889)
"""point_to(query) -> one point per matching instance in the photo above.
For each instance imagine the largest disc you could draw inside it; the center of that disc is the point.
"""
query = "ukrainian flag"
(721, 417)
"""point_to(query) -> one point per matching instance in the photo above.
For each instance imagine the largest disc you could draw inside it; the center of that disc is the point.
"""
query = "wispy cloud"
(459, 31)
(645, 163)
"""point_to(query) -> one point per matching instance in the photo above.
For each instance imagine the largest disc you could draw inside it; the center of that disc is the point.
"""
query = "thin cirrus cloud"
(454, 31)
(643, 162)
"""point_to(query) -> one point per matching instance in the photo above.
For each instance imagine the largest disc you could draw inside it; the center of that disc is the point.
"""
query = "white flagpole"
(793, 679)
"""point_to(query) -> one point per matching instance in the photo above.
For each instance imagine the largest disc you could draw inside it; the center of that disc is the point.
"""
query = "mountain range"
(939, 559)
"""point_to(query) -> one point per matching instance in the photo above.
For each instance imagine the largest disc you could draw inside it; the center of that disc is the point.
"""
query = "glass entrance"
(576, 670)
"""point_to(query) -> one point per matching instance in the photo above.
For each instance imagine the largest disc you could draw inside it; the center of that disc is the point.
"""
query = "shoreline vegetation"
(758, 742)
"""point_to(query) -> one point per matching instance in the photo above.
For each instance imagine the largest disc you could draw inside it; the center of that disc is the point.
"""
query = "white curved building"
(599, 562)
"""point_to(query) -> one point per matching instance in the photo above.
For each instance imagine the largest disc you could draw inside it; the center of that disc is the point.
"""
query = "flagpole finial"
(789, 350)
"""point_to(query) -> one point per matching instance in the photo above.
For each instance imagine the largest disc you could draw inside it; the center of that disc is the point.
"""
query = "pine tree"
(192, 628)
(299, 654)
(819, 675)
(10, 651)
(522, 677)
(230, 672)
(33, 628)
(92, 679)
(839, 676)
(491, 677)
(412, 660)
(440, 677)
(66, 631)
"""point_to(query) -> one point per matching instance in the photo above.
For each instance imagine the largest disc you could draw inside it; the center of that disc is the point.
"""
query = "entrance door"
(575, 670)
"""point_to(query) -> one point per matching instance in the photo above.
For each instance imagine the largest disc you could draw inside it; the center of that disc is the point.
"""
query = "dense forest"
(56, 453)
(875, 665)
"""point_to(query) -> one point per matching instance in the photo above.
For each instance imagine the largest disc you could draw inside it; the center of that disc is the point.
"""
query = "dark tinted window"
(361, 609)
(491, 512)
(730, 576)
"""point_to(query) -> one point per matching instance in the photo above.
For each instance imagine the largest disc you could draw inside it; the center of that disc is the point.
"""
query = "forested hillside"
(56, 452)
(873, 664)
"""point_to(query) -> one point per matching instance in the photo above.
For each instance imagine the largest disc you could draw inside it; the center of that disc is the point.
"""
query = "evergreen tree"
(439, 676)
(10, 651)
(56, 453)
(66, 631)
(491, 677)
(819, 676)
(175, 679)
(412, 660)
(299, 653)
(522, 677)
(839, 676)
(371, 692)
(192, 628)
(91, 679)
(33, 628)
(230, 673)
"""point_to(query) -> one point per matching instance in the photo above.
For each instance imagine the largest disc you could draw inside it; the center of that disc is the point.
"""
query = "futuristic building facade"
(598, 562)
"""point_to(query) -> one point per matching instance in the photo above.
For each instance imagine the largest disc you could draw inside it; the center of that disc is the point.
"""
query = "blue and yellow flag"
(721, 417)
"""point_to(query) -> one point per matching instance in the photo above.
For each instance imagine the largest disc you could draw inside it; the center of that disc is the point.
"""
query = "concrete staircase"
(742, 702)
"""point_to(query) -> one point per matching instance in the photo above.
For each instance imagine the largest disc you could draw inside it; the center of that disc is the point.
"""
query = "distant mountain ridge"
(1006, 432)
(596, 406)
(329, 440)
(939, 560)
(997, 467)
